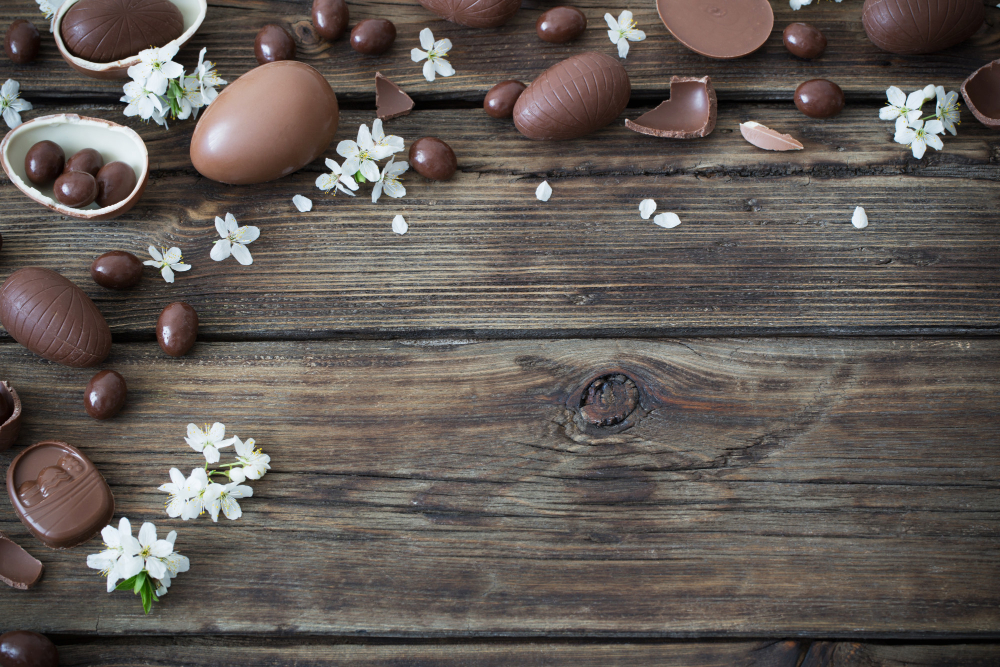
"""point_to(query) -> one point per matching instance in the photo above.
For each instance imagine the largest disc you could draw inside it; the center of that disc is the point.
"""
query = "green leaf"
(140, 579)
(147, 603)
(127, 584)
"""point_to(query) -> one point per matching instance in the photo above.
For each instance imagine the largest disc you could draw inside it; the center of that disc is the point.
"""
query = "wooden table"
(808, 470)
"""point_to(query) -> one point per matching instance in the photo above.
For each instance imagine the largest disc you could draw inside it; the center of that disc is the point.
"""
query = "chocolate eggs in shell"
(911, 27)
(474, 13)
(239, 141)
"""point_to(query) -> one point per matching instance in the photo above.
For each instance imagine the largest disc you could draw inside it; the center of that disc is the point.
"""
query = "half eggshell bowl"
(192, 11)
(73, 133)
(982, 93)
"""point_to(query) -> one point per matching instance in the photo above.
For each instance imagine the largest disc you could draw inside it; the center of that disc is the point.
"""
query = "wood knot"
(609, 400)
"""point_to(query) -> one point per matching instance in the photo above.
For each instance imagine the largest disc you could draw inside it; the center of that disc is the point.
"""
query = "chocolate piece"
(235, 139)
(22, 41)
(75, 189)
(273, 43)
(474, 13)
(373, 37)
(718, 28)
(910, 27)
(116, 270)
(103, 31)
(804, 41)
(58, 494)
(501, 98)
(22, 648)
(819, 98)
(433, 159)
(10, 416)
(561, 24)
(982, 93)
(105, 395)
(177, 328)
(87, 160)
(390, 101)
(53, 318)
(573, 98)
(18, 568)
(690, 112)
(768, 139)
(44, 162)
(115, 182)
(330, 18)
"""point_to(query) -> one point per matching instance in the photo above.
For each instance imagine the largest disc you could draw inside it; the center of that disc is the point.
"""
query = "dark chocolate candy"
(18, 568)
(573, 98)
(22, 648)
(561, 24)
(44, 162)
(105, 395)
(330, 18)
(474, 13)
(804, 41)
(58, 494)
(87, 160)
(115, 182)
(273, 43)
(909, 27)
(433, 159)
(10, 416)
(116, 270)
(22, 41)
(177, 328)
(718, 28)
(53, 318)
(103, 31)
(75, 189)
(390, 101)
(982, 93)
(690, 112)
(501, 98)
(819, 98)
(373, 37)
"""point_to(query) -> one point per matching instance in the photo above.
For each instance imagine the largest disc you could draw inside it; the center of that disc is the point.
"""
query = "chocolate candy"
(87, 160)
(718, 28)
(18, 569)
(474, 13)
(501, 98)
(330, 18)
(273, 43)
(44, 162)
(909, 27)
(105, 395)
(103, 31)
(804, 41)
(116, 270)
(390, 101)
(982, 93)
(768, 139)
(177, 328)
(433, 159)
(115, 182)
(22, 41)
(690, 112)
(373, 37)
(75, 189)
(819, 98)
(10, 416)
(235, 139)
(53, 318)
(561, 24)
(573, 98)
(21, 648)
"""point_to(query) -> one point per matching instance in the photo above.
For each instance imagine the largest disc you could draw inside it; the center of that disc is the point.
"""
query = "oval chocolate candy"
(22, 41)
(23, 648)
(819, 98)
(433, 159)
(561, 24)
(105, 395)
(373, 37)
(474, 13)
(330, 18)
(273, 43)
(501, 98)
(177, 329)
(804, 40)
(116, 269)
(910, 27)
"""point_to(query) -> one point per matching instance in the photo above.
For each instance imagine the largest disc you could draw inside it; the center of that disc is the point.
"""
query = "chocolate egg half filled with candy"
(474, 13)
(239, 141)
(910, 27)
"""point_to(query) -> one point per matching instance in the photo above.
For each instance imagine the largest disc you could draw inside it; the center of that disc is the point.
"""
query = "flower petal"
(612, 23)
(895, 96)
(242, 256)
(543, 191)
(429, 70)
(646, 208)
(399, 225)
(667, 220)
(860, 218)
(416, 55)
(427, 39)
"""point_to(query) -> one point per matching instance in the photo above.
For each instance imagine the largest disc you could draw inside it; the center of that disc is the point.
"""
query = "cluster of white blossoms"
(11, 104)
(623, 31)
(915, 130)
(159, 88)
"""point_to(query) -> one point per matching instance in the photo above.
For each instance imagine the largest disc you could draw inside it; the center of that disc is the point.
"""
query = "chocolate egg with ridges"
(910, 27)
(573, 98)
(474, 13)
(239, 141)
(53, 318)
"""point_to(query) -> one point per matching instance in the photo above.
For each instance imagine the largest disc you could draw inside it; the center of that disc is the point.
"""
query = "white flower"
(799, 4)
(156, 68)
(117, 542)
(385, 145)
(668, 220)
(543, 191)
(153, 551)
(233, 242)
(175, 564)
(860, 218)
(399, 225)
(207, 78)
(918, 136)
(304, 204)
(435, 54)
(49, 8)
(336, 180)
(224, 498)
(11, 105)
(901, 105)
(191, 100)
(646, 208)
(361, 155)
(167, 262)
(185, 494)
(208, 441)
(254, 462)
(142, 102)
(389, 181)
(623, 31)
(947, 109)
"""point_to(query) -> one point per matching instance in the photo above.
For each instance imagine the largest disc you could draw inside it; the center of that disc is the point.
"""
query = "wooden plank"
(484, 57)
(762, 487)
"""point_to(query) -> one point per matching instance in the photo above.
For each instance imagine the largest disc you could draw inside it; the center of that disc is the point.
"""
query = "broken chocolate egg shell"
(10, 416)
(690, 112)
(982, 94)
(73, 133)
(718, 28)
(768, 139)
(18, 568)
(390, 100)
(474, 13)
(192, 11)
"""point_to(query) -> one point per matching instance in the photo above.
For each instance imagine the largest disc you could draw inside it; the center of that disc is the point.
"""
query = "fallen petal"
(860, 218)
(543, 191)
(667, 220)
(302, 203)
(399, 225)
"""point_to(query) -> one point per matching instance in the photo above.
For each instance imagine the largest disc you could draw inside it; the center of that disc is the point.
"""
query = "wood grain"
(449, 488)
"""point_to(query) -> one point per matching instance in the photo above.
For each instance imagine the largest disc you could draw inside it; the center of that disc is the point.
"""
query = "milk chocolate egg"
(718, 28)
(240, 141)
(103, 31)
(474, 13)
(573, 98)
(909, 27)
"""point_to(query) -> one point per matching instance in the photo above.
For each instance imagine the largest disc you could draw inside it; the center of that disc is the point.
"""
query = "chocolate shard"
(982, 94)
(718, 28)
(768, 139)
(390, 100)
(690, 112)
(103, 31)
(910, 27)
(10, 416)
(18, 568)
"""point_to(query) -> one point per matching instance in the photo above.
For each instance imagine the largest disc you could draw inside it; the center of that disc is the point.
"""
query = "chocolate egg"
(116, 270)
(105, 395)
(804, 41)
(718, 28)
(44, 162)
(474, 13)
(22, 41)
(273, 43)
(22, 648)
(87, 160)
(373, 37)
(910, 27)
(433, 159)
(115, 182)
(501, 98)
(561, 24)
(982, 93)
(177, 329)
(103, 31)
(53, 318)
(239, 141)
(76, 189)
(819, 98)
(573, 98)
(330, 18)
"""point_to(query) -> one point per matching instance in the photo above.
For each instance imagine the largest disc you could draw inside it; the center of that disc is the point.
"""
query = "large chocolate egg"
(474, 13)
(240, 140)
(573, 98)
(909, 27)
